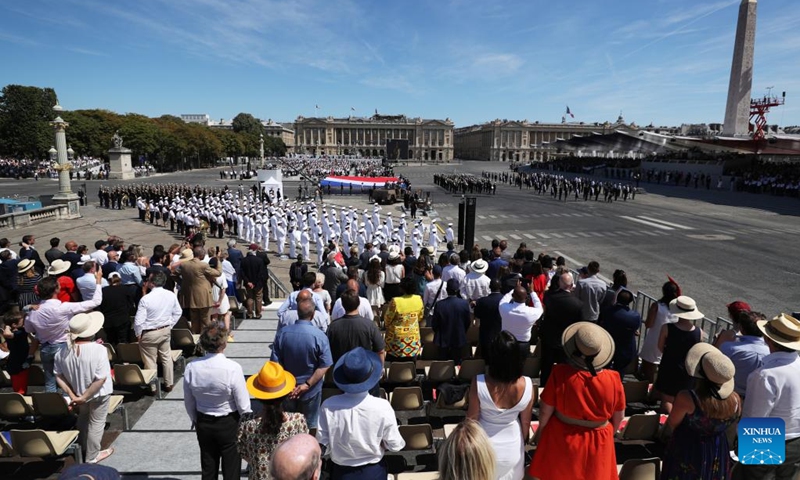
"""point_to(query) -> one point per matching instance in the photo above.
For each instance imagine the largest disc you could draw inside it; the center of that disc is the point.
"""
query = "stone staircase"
(161, 444)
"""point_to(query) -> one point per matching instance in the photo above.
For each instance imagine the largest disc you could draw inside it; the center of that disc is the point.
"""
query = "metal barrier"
(711, 327)
(275, 287)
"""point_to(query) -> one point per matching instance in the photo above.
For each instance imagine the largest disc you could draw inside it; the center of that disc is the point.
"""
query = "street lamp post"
(62, 155)
(261, 139)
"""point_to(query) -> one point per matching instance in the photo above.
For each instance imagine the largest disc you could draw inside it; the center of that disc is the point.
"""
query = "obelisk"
(737, 111)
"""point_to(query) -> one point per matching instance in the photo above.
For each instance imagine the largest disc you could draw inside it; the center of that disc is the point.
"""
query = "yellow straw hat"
(271, 382)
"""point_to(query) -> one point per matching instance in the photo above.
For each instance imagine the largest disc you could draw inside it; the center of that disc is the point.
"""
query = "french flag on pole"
(569, 112)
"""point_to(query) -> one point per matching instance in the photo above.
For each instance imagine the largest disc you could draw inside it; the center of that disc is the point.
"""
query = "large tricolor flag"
(367, 182)
(569, 112)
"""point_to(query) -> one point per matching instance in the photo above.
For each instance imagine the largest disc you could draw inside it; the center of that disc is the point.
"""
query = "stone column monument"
(65, 193)
(119, 159)
(737, 112)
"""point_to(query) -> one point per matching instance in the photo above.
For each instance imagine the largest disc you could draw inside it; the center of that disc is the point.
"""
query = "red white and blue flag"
(569, 112)
(368, 182)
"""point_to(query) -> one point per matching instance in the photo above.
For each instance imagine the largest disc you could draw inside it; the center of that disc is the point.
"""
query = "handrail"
(278, 290)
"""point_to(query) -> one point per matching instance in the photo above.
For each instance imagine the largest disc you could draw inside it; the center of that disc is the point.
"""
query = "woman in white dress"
(658, 316)
(221, 310)
(374, 279)
(501, 401)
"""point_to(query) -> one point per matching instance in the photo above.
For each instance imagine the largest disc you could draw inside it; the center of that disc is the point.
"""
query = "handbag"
(429, 308)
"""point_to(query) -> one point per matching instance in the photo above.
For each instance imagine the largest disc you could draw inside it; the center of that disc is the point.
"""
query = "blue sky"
(659, 61)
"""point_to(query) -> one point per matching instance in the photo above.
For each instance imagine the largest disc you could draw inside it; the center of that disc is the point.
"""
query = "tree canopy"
(166, 142)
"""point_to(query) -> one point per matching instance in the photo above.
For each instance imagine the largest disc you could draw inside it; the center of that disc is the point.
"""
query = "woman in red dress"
(580, 409)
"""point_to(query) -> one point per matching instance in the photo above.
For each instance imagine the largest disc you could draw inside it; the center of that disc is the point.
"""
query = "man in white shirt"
(84, 374)
(453, 270)
(355, 426)
(518, 318)
(215, 396)
(100, 255)
(364, 307)
(774, 391)
(158, 311)
(86, 283)
(476, 284)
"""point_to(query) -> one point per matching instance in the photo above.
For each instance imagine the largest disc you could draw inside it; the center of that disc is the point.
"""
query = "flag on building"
(569, 112)
(352, 109)
(317, 107)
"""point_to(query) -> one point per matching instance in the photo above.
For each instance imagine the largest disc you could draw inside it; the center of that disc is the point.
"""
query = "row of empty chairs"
(49, 406)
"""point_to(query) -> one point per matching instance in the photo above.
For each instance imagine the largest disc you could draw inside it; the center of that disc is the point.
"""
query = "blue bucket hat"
(357, 371)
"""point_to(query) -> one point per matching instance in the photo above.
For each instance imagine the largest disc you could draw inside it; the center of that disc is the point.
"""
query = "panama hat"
(271, 382)
(685, 307)
(783, 330)
(58, 266)
(357, 371)
(479, 266)
(588, 346)
(24, 265)
(84, 325)
(186, 254)
(706, 361)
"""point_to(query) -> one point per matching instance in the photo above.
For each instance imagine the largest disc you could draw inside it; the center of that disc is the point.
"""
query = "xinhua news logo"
(762, 441)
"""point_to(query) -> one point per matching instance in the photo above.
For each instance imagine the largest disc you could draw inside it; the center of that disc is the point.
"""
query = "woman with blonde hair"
(326, 296)
(467, 454)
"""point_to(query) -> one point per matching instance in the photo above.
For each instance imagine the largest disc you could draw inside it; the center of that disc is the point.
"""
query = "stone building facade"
(523, 141)
(428, 139)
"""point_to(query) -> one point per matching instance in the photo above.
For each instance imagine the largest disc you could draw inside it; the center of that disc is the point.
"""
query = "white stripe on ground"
(676, 225)
(580, 264)
(487, 238)
(645, 222)
(529, 236)
(515, 237)
(543, 235)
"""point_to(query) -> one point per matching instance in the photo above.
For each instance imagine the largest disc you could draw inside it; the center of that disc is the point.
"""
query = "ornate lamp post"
(63, 156)
(261, 139)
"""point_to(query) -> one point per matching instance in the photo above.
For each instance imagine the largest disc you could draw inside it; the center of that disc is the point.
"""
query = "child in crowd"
(17, 363)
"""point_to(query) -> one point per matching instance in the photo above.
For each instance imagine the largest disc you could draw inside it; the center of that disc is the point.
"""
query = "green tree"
(274, 146)
(140, 134)
(90, 131)
(25, 113)
(246, 123)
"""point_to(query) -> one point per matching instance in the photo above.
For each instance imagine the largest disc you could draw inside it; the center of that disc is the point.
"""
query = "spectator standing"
(674, 342)
(467, 454)
(304, 351)
(298, 458)
(84, 374)
(50, 324)
(774, 391)
(374, 279)
(260, 434)
(86, 283)
(501, 401)
(158, 312)
(746, 350)
(28, 251)
(476, 284)
(451, 320)
(580, 409)
(562, 309)
(111, 264)
(487, 312)
(364, 308)
(196, 279)
(354, 330)
(700, 417)
(54, 253)
(118, 304)
(591, 291)
(322, 293)
(16, 338)
(254, 277)
(296, 272)
(67, 291)
(623, 324)
(402, 320)
(291, 316)
(27, 279)
(355, 426)
(215, 397)
(657, 316)
(100, 256)
(129, 270)
(394, 274)
(518, 318)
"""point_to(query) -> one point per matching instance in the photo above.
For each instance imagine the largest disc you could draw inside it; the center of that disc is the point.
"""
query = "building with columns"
(428, 139)
(282, 131)
(523, 141)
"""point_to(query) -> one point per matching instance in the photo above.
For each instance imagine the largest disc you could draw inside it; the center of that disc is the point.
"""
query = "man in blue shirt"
(746, 350)
(494, 267)
(308, 284)
(303, 350)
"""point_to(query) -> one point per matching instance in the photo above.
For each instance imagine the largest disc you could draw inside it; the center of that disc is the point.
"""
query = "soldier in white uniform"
(294, 236)
(433, 238)
(280, 233)
(448, 234)
(264, 233)
(304, 242)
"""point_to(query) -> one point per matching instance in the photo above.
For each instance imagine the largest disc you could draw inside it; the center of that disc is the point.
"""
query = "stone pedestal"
(119, 160)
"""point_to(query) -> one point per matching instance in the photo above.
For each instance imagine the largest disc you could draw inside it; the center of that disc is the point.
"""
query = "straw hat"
(585, 341)
(58, 266)
(783, 330)
(186, 254)
(271, 382)
(705, 361)
(84, 325)
(24, 265)
(685, 307)
(479, 266)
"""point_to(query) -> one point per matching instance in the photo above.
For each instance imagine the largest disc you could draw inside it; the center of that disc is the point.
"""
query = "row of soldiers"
(464, 183)
(562, 187)
(300, 224)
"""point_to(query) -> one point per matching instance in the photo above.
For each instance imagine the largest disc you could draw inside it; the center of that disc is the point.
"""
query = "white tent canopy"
(271, 180)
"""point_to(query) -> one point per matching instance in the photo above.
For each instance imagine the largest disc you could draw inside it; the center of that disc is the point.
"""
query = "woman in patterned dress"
(700, 417)
(402, 320)
(261, 433)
